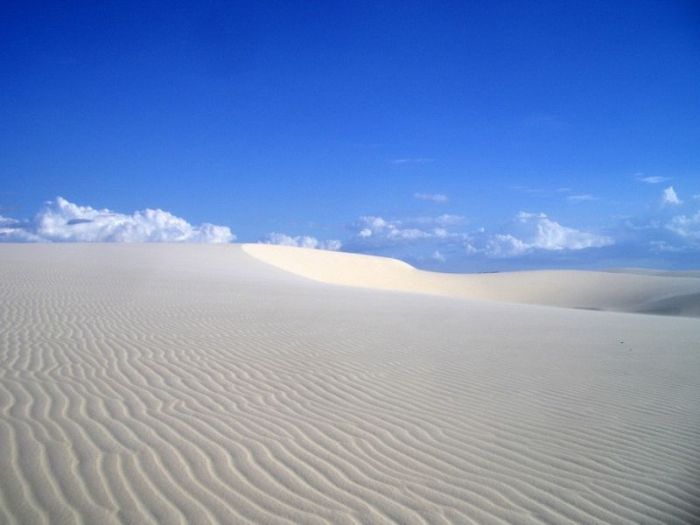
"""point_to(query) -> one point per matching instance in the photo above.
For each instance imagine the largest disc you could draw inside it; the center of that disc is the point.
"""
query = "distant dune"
(259, 384)
(660, 273)
(644, 291)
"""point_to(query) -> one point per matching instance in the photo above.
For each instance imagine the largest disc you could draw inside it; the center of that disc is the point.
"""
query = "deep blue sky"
(302, 117)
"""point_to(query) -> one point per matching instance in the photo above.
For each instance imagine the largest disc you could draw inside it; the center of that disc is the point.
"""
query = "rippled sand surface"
(208, 384)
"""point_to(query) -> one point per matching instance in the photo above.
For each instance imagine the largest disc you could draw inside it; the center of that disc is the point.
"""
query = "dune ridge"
(625, 291)
(195, 384)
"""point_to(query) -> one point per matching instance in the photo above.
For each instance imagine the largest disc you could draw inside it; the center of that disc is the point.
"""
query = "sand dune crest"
(645, 292)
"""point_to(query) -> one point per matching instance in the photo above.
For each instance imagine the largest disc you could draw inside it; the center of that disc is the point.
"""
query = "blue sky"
(459, 136)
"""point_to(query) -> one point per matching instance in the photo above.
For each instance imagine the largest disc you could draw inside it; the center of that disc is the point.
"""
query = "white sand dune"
(626, 291)
(663, 273)
(198, 384)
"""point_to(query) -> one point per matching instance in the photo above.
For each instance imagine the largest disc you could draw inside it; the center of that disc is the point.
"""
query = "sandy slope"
(628, 291)
(196, 384)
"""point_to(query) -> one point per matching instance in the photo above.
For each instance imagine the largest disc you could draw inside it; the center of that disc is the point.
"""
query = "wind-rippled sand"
(199, 384)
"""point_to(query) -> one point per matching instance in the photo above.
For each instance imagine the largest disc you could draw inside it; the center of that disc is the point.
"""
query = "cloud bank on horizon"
(63, 221)
(528, 232)
(671, 227)
(665, 234)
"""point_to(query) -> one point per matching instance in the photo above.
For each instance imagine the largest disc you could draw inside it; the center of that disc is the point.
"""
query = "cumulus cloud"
(529, 232)
(378, 230)
(63, 221)
(502, 245)
(372, 226)
(302, 241)
(432, 197)
(669, 197)
(539, 232)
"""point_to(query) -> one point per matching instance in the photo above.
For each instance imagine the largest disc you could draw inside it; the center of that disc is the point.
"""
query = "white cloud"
(8, 222)
(502, 245)
(444, 220)
(581, 198)
(542, 233)
(12, 230)
(437, 256)
(379, 230)
(665, 247)
(669, 197)
(64, 221)
(665, 230)
(686, 226)
(529, 232)
(653, 179)
(433, 197)
(302, 241)
(525, 216)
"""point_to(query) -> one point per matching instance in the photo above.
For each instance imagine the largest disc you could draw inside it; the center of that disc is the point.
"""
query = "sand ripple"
(194, 384)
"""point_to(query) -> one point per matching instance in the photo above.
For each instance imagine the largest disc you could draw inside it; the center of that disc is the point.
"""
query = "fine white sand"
(620, 290)
(204, 384)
